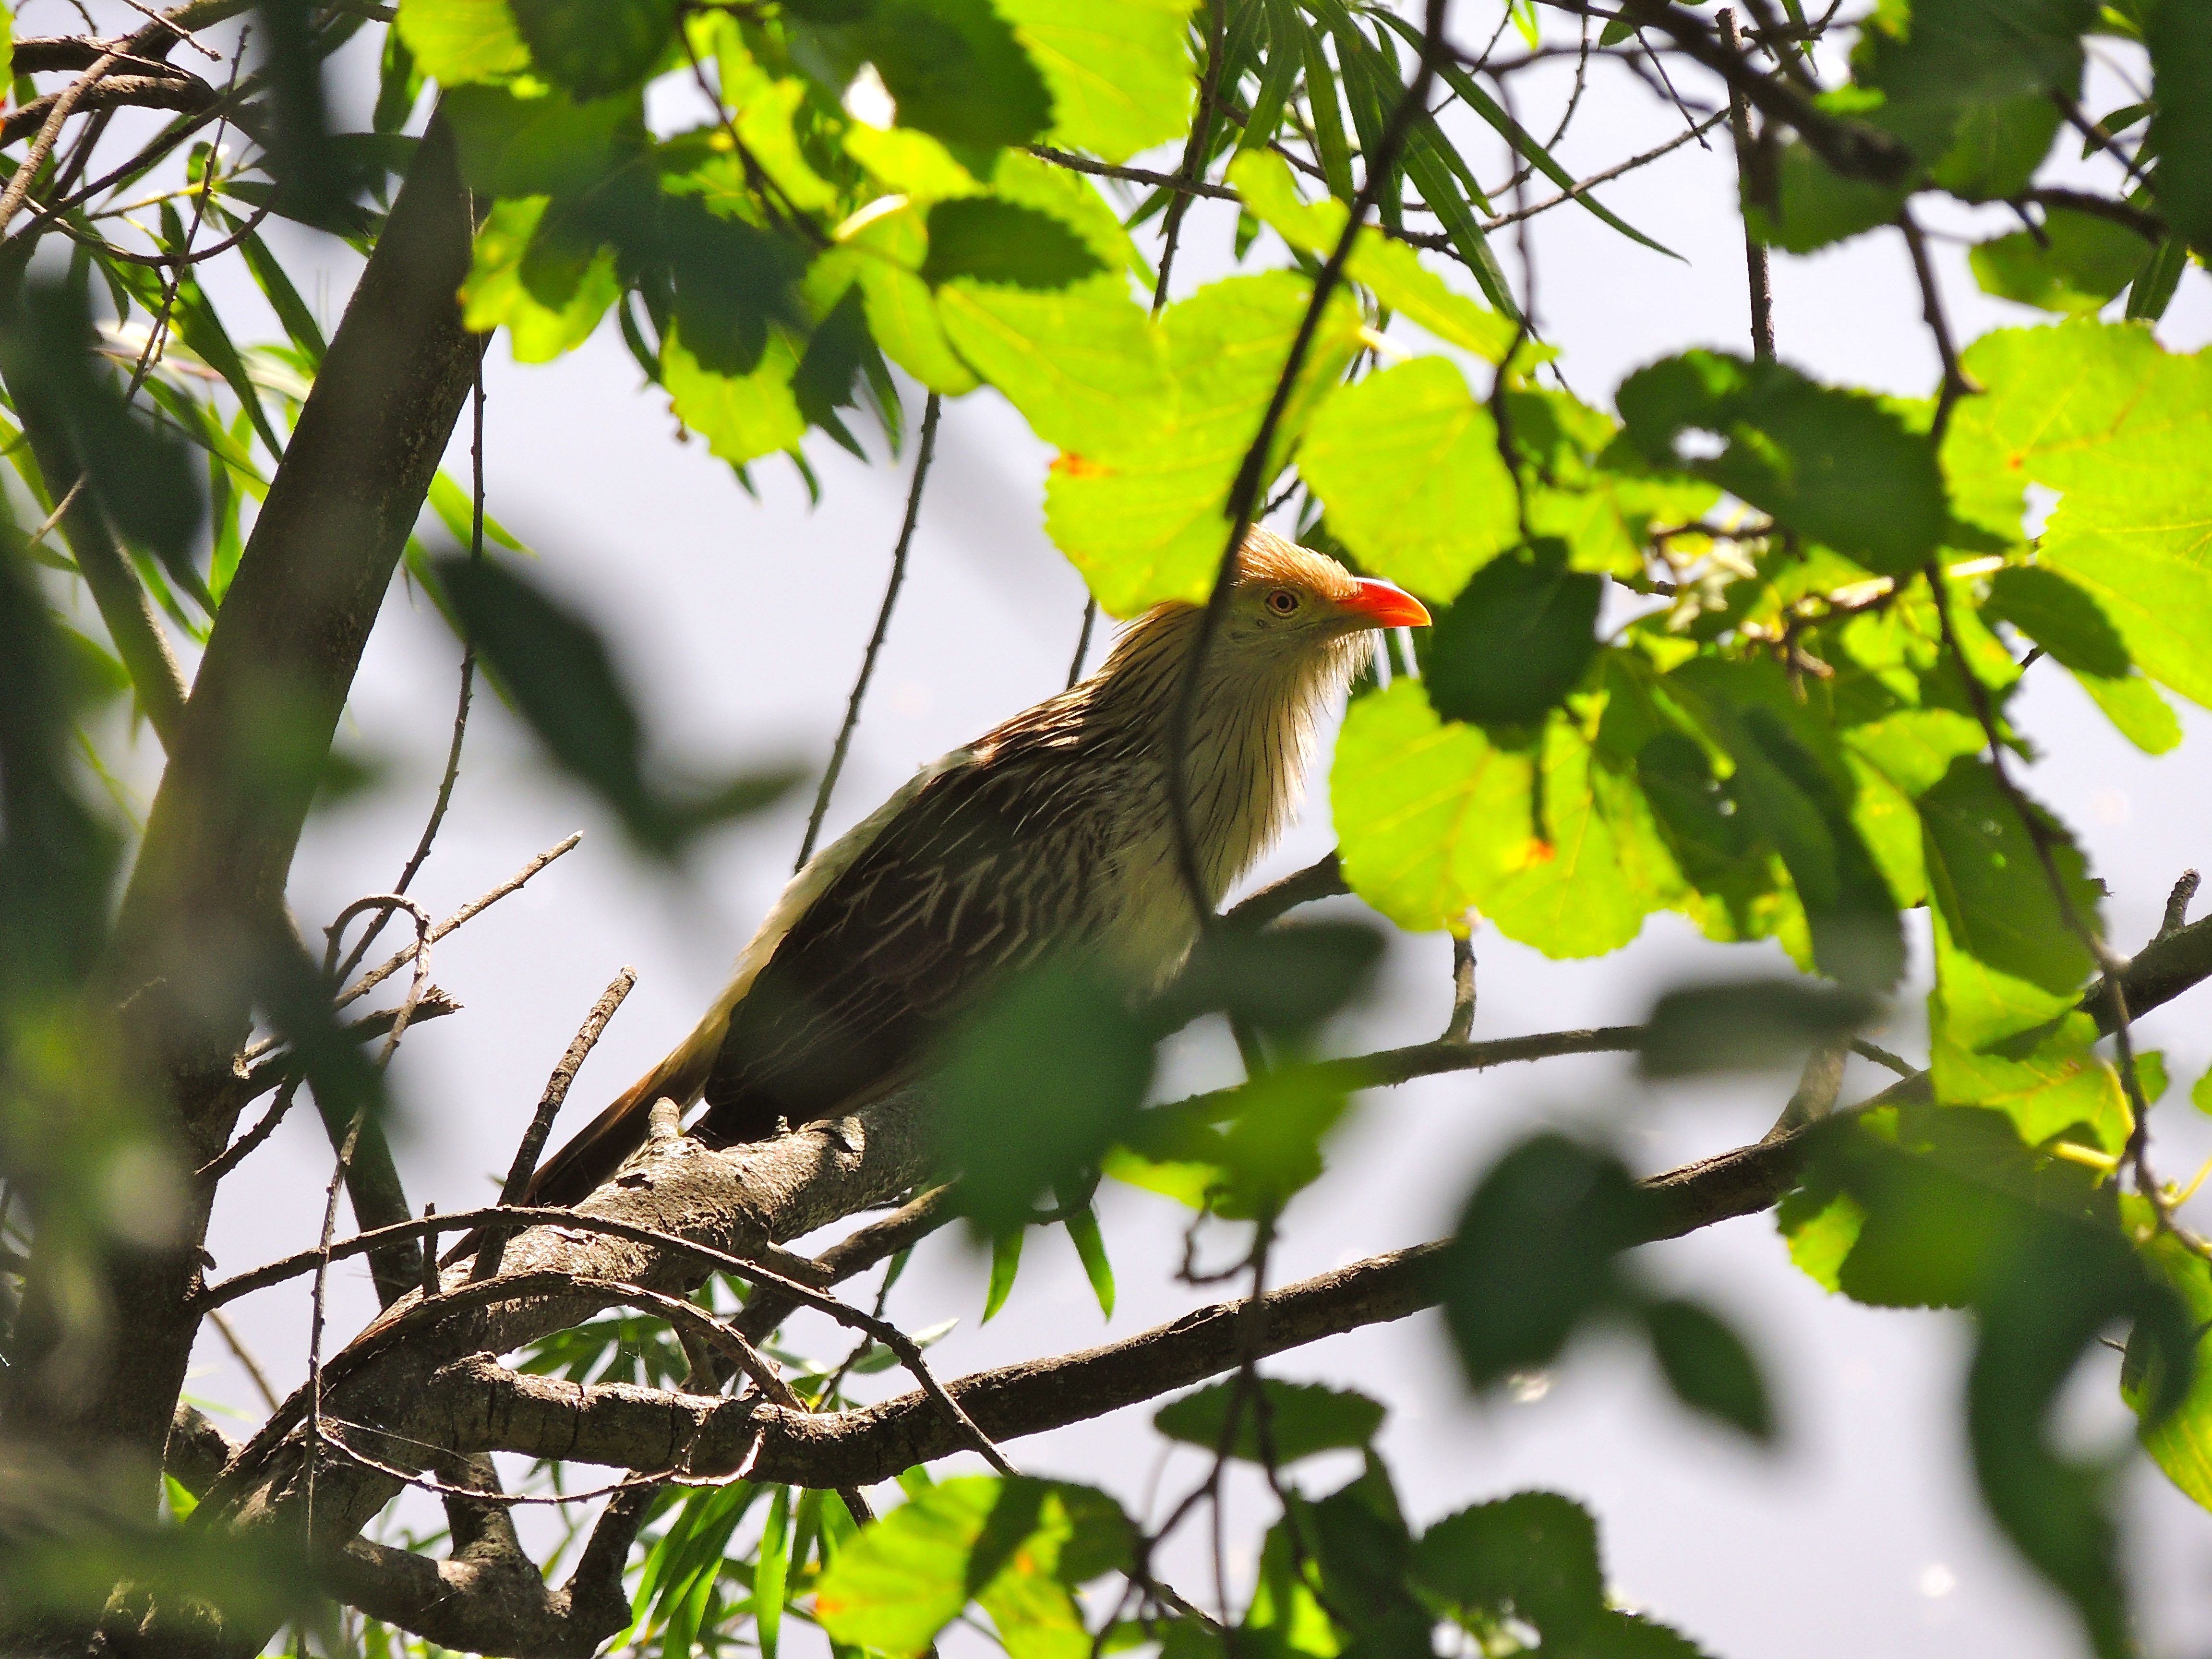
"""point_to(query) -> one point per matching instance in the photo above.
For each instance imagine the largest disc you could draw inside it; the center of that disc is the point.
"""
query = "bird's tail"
(593, 1154)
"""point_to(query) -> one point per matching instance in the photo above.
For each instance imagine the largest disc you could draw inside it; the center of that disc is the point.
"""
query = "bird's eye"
(1283, 602)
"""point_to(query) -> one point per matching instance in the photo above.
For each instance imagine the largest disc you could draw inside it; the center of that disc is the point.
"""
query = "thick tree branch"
(207, 894)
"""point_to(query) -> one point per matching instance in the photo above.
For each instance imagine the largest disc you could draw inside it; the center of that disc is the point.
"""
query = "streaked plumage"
(1050, 832)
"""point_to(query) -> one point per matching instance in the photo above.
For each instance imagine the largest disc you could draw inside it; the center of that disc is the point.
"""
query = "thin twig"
(922, 453)
(377, 975)
(237, 1153)
(1881, 1056)
(1754, 251)
(244, 1355)
(453, 772)
(1461, 1023)
(549, 1107)
(2177, 905)
(1956, 384)
(1083, 640)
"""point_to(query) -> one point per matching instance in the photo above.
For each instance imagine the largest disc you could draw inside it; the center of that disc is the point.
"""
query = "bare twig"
(1880, 1056)
(2177, 906)
(377, 975)
(549, 1107)
(1754, 251)
(1461, 1023)
(244, 1355)
(1322, 878)
(1083, 640)
(1956, 384)
(923, 451)
(237, 1153)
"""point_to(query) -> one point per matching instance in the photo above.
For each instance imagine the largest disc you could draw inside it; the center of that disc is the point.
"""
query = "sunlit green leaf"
(2180, 1441)
(549, 298)
(1407, 463)
(742, 416)
(2103, 415)
(458, 41)
(1119, 71)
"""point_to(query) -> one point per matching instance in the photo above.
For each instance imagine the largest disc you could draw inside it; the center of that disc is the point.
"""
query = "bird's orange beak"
(1382, 606)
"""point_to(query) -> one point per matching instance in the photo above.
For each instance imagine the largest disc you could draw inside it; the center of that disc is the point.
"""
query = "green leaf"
(2063, 1285)
(1517, 639)
(141, 474)
(1406, 462)
(2068, 623)
(1709, 1367)
(955, 69)
(1821, 1226)
(2102, 414)
(1036, 1085)
(2007, 956)
(1966, 84)
(2048, 1081)
(1154, 440)
(548, 289)
(1534, 1254)
(1392, 269)
(1436, 818)
(742, 416)
(771, 1572)
(1803, 205)
(2080, 262)
(595, 48)
(1017, 1547)
(883, 256)
(1006, 1263)
(990, 240)
(1746, 1024)
(1797, 450)
(1273, 1151)
(1084, 1232)
(1363, 1552)
(2181, 63)
(1533, 1556)
(1304, 1418)
(1119, 71)
(2178, 1441)
(558, 672)
(1795, 803)
(2200, 1097)
(458, 41)
(1284, 980)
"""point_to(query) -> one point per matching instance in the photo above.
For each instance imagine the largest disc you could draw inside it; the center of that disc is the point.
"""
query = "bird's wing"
(988, 864)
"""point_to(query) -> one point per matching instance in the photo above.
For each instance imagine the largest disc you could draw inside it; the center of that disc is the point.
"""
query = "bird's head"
(1289, 602)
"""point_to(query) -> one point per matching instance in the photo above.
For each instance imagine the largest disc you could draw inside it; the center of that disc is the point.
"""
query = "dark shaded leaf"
(595, 48)
(313, 184)
(1287, 978)
(1533, 1556)
(1036, 1086)
(1797, 449)
(1709, 1367)
(993, 240)
(556, 669)
(1302, 1419)
(1364, 1552)
(1517, 640)
(2062, 617)
(955, 69)
(141, 476)
(1799, 204)
(2061, 1287)
(1748, 1024)
(2078, 264)
(1535, 1254)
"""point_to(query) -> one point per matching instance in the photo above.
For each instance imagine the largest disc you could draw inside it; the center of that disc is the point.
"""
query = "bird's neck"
(1252, 727)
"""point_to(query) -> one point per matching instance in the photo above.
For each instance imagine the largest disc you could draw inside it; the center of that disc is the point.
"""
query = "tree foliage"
(1733, 642)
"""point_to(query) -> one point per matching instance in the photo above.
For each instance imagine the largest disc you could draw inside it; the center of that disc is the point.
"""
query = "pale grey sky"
(741, 623)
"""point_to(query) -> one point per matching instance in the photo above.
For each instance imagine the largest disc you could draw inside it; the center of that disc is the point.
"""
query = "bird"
(1052, 832)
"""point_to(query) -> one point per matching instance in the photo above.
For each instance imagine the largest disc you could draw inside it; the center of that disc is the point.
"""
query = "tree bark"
(190, 946)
